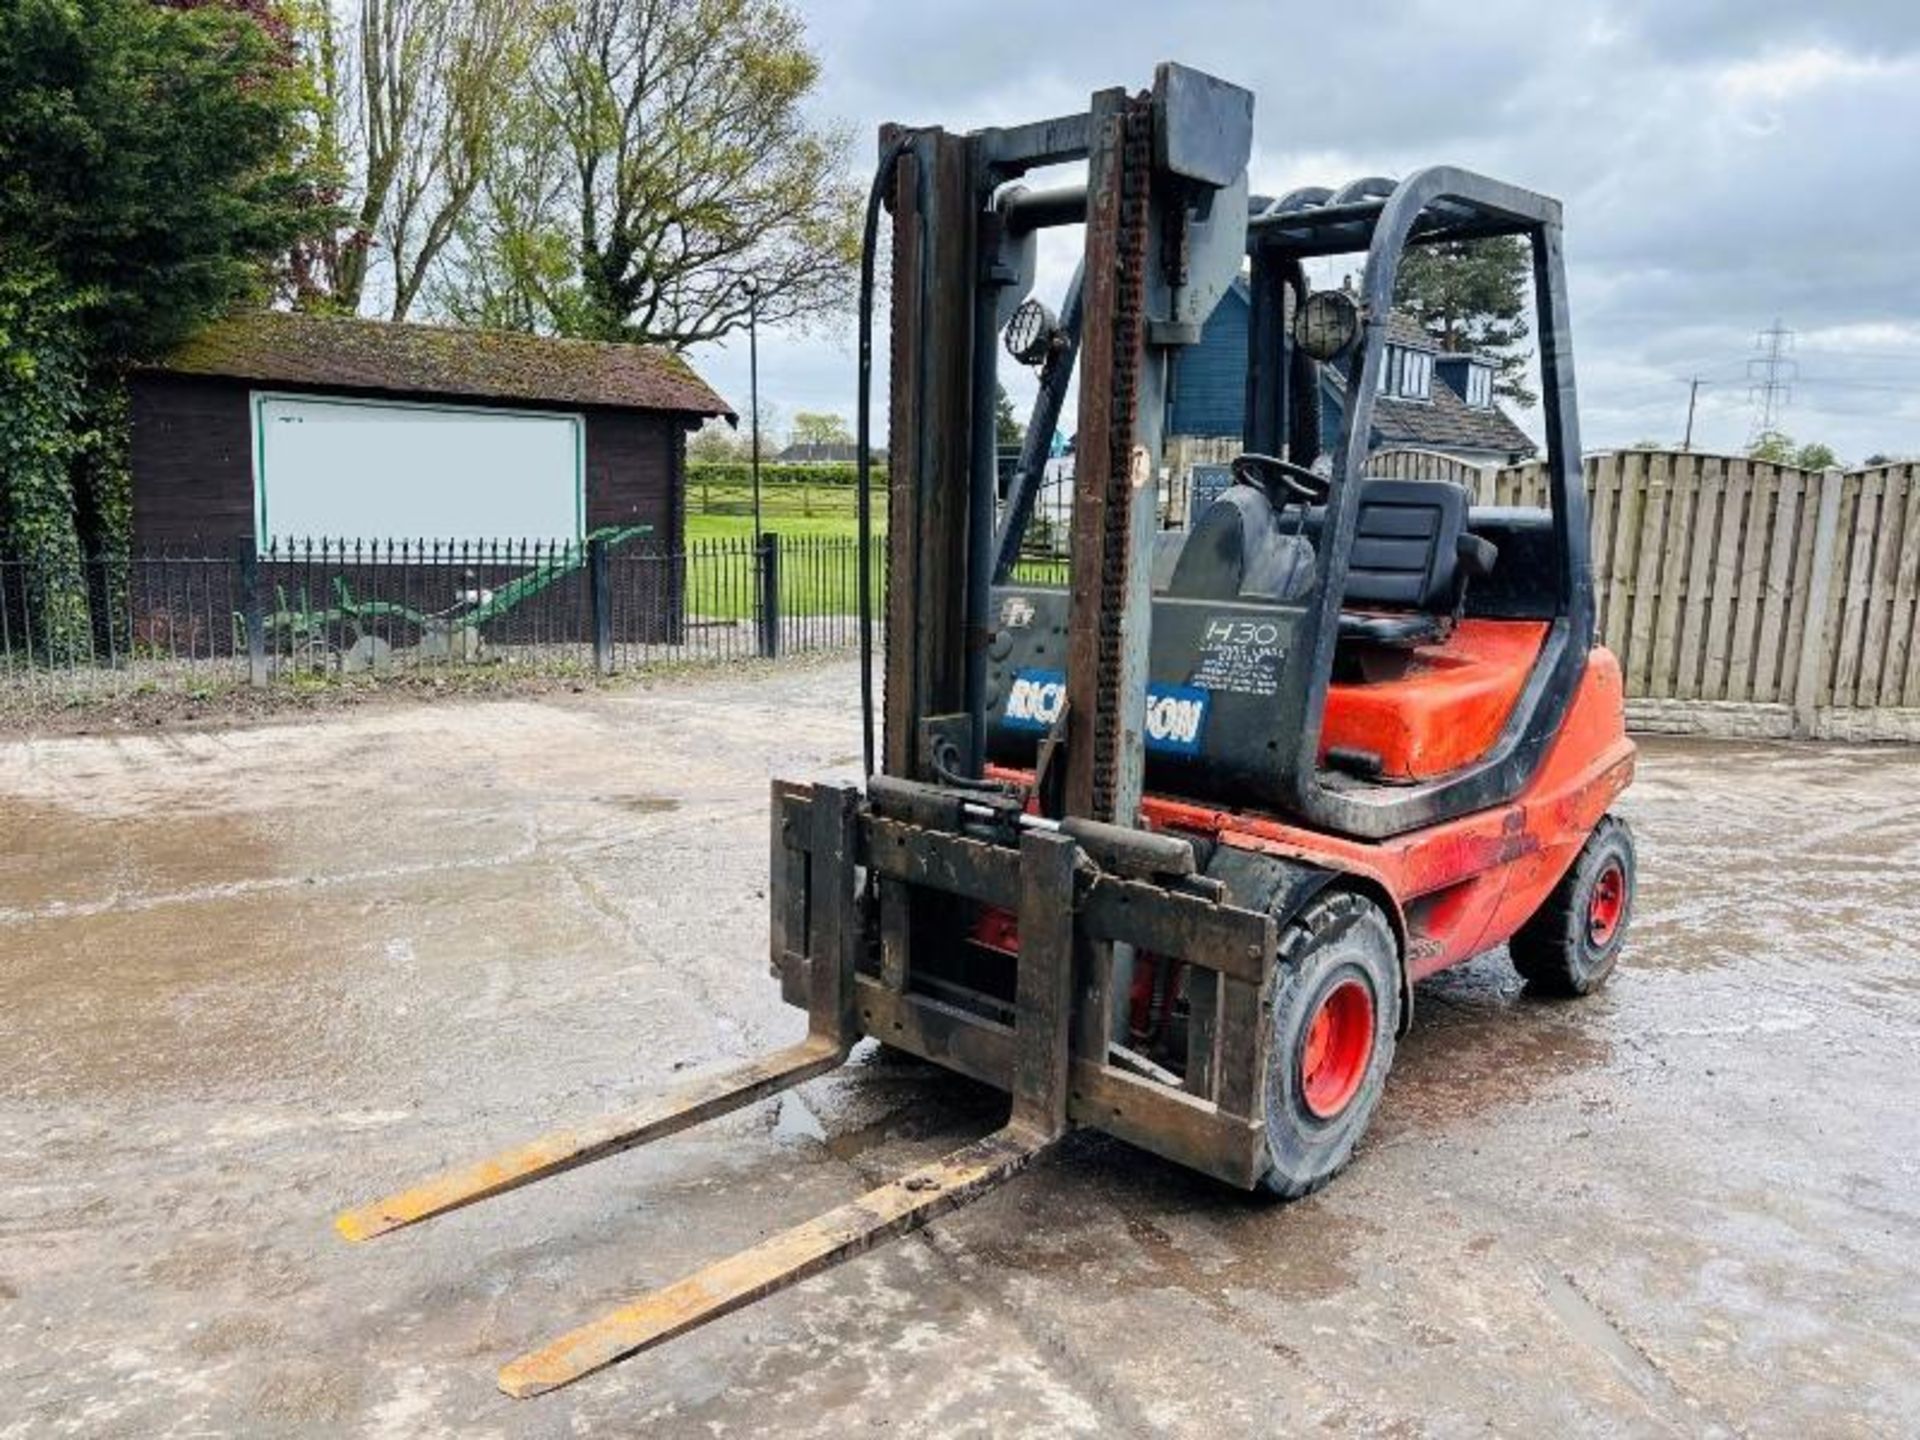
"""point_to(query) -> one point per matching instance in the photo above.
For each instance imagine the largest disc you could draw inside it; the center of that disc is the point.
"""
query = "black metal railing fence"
(199, 617)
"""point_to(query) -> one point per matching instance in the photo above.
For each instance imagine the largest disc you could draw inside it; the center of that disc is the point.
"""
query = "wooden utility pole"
(1693, 396)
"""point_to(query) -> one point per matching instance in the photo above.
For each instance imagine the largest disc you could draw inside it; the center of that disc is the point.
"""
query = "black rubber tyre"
(1336, 1009)
(1570, 944)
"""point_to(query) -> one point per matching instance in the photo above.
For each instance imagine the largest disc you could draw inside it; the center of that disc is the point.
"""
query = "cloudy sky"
(1723, 166)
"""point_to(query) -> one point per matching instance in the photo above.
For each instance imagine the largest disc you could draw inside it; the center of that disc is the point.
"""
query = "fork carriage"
(924, 847)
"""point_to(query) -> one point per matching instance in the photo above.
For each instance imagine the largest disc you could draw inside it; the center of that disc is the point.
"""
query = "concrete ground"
(254, 975)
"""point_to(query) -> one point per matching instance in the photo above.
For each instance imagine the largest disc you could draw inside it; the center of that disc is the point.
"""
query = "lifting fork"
(1039, 1084)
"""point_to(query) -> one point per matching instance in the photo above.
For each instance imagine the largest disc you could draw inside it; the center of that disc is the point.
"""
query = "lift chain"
(1129, 344)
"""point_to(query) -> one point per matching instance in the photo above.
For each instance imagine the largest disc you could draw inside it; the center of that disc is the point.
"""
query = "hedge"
(42, 390)
(739, 472)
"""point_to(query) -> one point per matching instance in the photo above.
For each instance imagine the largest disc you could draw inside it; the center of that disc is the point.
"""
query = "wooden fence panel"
(1840, 630)
(1793, 524)
(1800, 597)
(1629, 524)
(1603, 496)
(1638, 663)
(1900, 680)
(1876, 656)
(1410, 464)
(1759, 494)
(1708, 484)
(1719, 617)
(1668, 579)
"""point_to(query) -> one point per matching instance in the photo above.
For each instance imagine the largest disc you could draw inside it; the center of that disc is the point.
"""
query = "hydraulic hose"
(863, 439)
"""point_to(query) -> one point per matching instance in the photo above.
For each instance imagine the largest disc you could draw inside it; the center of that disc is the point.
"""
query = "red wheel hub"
(1607, 903)
(1339, 1044)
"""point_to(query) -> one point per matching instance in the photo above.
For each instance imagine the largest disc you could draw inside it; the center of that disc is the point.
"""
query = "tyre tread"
(1324, 920)
(1545, 949)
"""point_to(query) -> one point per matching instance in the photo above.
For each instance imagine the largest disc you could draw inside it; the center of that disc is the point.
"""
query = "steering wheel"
(1268, 471)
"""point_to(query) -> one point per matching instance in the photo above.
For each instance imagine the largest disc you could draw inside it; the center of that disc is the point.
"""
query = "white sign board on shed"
(387, 470)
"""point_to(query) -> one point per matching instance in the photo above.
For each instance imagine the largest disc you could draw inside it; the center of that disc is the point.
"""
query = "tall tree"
(147, 180)
(1779, 448)
(513, 265)
(811, 427)
(1474, 295)
(691, 173)
(408, 97)
(145, 156)
(713, 443)
(1008, 428)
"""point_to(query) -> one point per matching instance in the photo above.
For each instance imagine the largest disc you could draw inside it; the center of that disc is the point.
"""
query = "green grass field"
(819, 557)
(725, 511)
(819, 574)
(740, 527)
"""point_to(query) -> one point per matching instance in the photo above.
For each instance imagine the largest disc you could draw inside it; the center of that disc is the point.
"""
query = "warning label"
(1241, 656)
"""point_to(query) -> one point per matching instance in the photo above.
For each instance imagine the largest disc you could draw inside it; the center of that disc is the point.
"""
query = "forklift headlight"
(1032, 333)
(1327, 324)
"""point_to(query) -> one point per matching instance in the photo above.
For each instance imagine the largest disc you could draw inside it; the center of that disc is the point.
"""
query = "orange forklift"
(1160, 841)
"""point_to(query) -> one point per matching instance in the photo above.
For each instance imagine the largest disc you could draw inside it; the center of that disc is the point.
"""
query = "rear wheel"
(1336, 1009)
(1570, 944)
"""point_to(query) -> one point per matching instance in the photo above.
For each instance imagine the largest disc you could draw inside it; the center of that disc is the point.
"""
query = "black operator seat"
(1413, 555)
(1241, 549)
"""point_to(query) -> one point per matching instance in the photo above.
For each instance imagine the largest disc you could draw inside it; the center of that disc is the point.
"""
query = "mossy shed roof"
(278, 348)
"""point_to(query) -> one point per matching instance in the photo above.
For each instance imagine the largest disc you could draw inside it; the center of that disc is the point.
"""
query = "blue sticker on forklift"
(1176, 714)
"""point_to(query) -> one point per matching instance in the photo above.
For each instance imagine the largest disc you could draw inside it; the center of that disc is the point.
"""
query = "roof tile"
(298, 349)
(1444, 422)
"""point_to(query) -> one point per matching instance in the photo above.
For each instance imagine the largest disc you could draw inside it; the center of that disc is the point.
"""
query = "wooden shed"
(285, 427)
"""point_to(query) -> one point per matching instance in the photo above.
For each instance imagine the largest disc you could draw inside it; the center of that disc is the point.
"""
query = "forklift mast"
(1165, 206)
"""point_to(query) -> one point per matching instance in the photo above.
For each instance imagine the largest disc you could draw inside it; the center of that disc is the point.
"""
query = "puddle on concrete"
(1104, 1210)
(1480, 1042)
(645, 804)
(57, 858)
(314, 992)
(793, 1122)
(1588, 1323)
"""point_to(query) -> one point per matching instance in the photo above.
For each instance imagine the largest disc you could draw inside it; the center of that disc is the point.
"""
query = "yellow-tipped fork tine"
(701, 1099)
(726, 1285)
(1043, 1003)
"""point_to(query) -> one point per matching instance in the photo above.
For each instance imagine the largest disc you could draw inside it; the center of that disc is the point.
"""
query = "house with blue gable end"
(1429, 399)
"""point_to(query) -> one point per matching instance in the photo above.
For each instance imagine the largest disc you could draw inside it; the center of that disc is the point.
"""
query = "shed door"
(377, 470)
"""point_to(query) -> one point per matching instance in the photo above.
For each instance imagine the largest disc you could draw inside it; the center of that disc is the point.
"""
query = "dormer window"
(1406, 374)
(1480, 386)
(1416, 376)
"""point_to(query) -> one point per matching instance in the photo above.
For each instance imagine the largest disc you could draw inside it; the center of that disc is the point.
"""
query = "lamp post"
(765, 548)
(753, 394)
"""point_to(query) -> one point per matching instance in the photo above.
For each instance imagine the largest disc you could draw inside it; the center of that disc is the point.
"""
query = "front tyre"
(1570, 944)
(1336, 1009)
